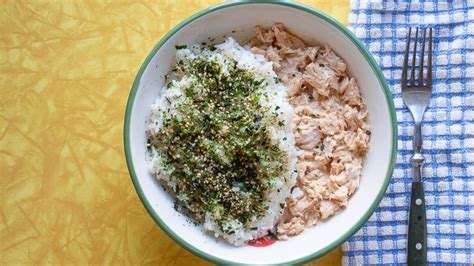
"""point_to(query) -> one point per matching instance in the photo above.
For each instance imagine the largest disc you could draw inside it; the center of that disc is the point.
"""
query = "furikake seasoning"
(216, 144)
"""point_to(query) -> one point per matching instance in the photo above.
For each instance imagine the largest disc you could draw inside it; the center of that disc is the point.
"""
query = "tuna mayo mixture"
(331, 130)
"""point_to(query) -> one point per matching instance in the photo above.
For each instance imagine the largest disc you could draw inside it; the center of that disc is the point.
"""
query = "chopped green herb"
(293, 188)
(179, 47)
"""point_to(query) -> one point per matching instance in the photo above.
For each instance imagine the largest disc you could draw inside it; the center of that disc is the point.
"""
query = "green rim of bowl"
(362, 49)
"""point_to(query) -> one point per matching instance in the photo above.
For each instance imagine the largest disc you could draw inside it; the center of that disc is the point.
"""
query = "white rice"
(283, 136)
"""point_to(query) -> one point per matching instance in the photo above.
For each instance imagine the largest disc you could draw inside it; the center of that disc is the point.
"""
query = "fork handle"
(417, 226)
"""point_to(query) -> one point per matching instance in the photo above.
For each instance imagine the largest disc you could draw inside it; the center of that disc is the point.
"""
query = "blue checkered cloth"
(448, 132)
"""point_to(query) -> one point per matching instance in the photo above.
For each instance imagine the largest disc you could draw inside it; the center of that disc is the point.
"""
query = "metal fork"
(416, 94)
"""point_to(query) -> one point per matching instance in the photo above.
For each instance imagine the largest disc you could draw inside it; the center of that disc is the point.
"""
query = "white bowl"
(238, 19)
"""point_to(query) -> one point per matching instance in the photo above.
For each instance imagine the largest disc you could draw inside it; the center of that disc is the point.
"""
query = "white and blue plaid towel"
(448, 132)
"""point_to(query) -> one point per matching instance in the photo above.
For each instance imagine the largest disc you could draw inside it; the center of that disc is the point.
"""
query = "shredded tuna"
(286, 39)
(331, 129)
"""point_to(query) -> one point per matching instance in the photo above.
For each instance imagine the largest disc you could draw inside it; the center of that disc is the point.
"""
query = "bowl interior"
(239, 20)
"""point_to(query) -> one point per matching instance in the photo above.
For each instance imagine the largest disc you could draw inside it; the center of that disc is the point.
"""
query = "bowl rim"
(362, 49)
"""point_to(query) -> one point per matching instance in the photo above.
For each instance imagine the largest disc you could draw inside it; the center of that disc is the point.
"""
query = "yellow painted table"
(65, 73)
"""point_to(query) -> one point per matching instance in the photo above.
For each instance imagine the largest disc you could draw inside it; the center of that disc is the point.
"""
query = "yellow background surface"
(66, 69)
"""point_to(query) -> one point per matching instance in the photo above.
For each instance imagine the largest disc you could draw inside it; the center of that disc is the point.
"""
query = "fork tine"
(405, 60)
(413, 61)
(430, 48)
(422, 55)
